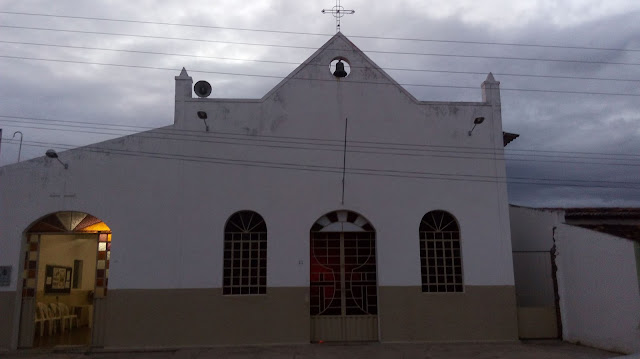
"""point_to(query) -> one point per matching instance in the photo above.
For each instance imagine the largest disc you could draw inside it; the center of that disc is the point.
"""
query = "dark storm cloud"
(546, 121)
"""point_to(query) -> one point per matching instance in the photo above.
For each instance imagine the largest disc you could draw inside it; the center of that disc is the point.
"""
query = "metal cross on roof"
(338, 11)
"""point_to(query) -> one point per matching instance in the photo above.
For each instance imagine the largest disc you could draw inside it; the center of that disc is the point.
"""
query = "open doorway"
(66, 269)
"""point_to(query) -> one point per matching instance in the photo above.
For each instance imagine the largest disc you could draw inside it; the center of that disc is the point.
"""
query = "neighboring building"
(578, 270)
(247, 233)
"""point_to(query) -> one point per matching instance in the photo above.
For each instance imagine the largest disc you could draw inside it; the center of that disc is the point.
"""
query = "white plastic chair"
(54, 315)
(67, 316)
(42, 318)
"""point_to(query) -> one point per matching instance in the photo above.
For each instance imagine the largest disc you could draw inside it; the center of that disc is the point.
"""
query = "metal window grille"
(245, 254)
(440, 254)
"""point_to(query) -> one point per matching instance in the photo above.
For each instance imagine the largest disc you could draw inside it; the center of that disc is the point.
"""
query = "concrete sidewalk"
(524, 350)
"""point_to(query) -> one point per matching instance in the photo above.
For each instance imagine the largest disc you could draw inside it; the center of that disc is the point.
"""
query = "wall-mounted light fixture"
(54, 154)
(476, 122)
(19, 149)
(203, 116)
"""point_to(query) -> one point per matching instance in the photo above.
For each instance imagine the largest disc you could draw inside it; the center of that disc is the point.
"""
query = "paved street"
(537, 349)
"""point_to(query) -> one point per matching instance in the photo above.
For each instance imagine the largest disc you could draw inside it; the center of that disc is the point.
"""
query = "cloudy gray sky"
(588, 138)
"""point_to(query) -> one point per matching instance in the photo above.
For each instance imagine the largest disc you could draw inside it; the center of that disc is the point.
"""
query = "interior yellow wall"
(62, 250)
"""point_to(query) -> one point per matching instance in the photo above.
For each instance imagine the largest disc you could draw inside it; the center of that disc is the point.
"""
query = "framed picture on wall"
(57, 279)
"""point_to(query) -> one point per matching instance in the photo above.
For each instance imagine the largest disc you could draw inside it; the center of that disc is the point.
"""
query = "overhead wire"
(314, 64)
(404, 148)
(319, 34)
(352, 148)
(350, 170)
(321, 80)
(199, 133)
(314, 48)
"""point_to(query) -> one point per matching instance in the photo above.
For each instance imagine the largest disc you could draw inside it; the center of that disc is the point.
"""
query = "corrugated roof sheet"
(602, 213)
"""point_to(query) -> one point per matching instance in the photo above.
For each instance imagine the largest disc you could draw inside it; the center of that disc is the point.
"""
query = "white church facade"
(298, 217)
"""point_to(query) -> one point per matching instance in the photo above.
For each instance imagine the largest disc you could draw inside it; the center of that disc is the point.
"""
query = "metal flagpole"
(344, 157)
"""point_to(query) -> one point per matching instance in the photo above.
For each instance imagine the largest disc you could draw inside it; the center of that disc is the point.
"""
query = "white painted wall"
(599, 293)
(532, 228)
(167, 212)
(532, 240)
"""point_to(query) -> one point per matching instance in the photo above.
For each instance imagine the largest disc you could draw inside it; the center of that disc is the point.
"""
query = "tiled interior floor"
(75, 336)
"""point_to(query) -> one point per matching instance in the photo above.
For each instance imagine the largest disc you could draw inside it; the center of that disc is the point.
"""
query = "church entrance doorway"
(65, 275)
(343, 279)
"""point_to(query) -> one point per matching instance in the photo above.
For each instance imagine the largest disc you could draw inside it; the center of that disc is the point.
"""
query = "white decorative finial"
(338, 11)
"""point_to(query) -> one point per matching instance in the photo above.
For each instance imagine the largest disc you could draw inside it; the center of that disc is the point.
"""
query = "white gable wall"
(168, 215)
(381, 112)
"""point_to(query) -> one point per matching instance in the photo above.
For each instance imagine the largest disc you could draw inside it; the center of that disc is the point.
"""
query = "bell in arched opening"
(340, 72)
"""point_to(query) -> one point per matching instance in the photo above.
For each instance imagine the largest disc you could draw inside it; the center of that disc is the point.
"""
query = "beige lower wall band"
(205, 317)
(7, 308)
(481, 313)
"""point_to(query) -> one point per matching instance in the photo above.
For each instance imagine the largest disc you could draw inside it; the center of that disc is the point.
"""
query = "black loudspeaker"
(202, 89)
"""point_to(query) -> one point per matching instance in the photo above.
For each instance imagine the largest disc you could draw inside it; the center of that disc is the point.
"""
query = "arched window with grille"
(440, 255)
(245, 254)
